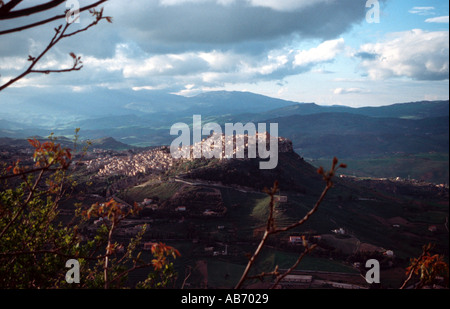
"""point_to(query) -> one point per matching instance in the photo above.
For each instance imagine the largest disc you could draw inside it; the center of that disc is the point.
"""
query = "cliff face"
(292, 172)
(285, 145)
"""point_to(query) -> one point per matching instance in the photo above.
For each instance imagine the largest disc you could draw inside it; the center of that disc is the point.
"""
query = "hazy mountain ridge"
(144, 118)
(152, 109)
(407, 110)
(107, 143)
(351, 135)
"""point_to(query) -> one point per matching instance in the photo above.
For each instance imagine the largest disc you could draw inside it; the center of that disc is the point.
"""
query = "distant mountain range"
(54, 107)
(411, 110)
(107, 143)
(154, 109)
(351, 135)
(144, 118)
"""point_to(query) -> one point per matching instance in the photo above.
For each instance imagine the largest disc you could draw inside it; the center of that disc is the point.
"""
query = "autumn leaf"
(16, 170)
(34, 142)
(320, 171)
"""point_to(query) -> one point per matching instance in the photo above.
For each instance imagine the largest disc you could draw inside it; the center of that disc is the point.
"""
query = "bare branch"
(252, 260)
(6, 8)
(29, 11)
(34, 60)
(60, 33)
(300, 258)
(414, 265)
(261, 276)
(267, 232)
(31, 171)
(48, 20)
(188, 273)
(271, 229)
(308, 215)
(108, 253)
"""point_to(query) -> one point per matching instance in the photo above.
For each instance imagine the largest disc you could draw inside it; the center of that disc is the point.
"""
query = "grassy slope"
(362, 210)
(430, 167)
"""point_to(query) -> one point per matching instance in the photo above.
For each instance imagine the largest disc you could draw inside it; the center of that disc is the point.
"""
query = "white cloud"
(30, 81)
(422, 10)
(416, 54)
(440, 19)
(213, 68)
(286, 5)
(12, 63)
(178, 2)
(225, 2)
(139, 88)
(174, 26)
(220, 61)
(278, 5)
(274, 61)
(349, 90)
(132, 67)
(325, 52)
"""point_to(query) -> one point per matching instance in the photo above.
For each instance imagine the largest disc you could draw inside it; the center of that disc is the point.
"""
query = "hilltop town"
(131, 164)
(161, 159)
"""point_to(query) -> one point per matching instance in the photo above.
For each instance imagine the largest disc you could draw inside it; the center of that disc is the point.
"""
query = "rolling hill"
(410, 110)
(356, 136)
(382, 215)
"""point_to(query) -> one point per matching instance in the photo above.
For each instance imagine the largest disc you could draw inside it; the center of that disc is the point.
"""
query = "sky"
(331, 52)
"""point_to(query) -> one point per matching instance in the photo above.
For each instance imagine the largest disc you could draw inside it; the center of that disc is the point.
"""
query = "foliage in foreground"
(35, 245)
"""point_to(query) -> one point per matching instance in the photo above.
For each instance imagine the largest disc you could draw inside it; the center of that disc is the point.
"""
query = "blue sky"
(322, 51)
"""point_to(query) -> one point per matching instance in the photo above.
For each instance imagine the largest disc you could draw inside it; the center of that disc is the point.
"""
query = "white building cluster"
(238, 146)
(132, 165)
(160, 159)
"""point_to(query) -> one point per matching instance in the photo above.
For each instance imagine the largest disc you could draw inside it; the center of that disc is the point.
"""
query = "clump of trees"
(35, 245)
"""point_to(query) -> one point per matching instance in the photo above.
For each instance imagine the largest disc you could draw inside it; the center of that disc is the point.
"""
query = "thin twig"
(261, 276)
(60, 33)
(270, 227)
(413, 268)
(48, 20)
(9, 14)
(271, 230)
(31, 171)
(267, 232)
(308, 215)
(108, 252)
(281, 277)
(186, 277)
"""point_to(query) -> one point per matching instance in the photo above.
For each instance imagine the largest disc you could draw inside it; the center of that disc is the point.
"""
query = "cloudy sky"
(323, 51)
